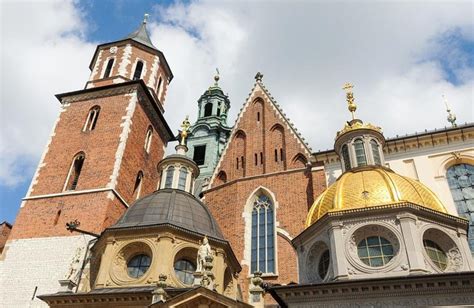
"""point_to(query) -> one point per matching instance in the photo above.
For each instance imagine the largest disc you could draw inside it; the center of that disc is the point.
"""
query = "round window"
(185, 269)
(138, 265)
(375, 251)
(436, 254)
(323, 265)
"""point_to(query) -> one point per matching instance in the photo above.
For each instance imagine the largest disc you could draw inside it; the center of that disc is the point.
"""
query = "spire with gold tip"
(451, 116)
(181, 148)
(352, 107)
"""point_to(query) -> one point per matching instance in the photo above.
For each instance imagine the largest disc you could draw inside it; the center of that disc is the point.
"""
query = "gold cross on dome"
(348, 87)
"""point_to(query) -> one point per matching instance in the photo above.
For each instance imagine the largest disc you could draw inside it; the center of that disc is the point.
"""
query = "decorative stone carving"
(203, 252)
(118, 270)
(455, 262)
(312, 261)
(75, 265)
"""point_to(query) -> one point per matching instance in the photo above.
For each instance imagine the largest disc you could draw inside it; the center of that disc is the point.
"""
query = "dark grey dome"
(171, 206)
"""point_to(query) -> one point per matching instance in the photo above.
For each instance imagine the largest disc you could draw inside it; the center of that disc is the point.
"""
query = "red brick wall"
(48, 216)
(145, 55)
(4, 234)
(294, 192)
(264, 136)
(261, 129)
(99, 145)
(136, 158)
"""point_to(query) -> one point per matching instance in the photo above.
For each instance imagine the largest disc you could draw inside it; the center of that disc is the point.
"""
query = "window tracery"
(263, 236)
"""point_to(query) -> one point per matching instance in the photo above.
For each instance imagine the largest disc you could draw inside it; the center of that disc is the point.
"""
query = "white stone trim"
(42, 163)
(77, 192)
(95, 70)
(125, 61)
(126, 124)
(152, 80)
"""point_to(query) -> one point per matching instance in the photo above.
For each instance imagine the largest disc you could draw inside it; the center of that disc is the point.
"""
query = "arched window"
(461, 182)
(345, 157)
(263, 236)
(242, 162)
(91, 119)
(375, 152)
(276, 155)
(256, 159)
(360, 152)
(108, 69)
(261, 158)
(282, 155)
(137, 188)
(183, 175)
(219, 110)
(149, 134)
(138, 70)
(208, 110)
(75, 172)
(258, 116)
(158, 88)
(169, 177)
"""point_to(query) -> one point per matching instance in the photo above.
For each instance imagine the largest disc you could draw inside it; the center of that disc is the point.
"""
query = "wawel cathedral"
(242, 215)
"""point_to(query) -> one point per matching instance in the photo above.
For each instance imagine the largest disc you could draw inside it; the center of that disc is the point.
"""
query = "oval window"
(375, 251)
(138, 265)
(323, 265)
(185, 269)
(436, 254)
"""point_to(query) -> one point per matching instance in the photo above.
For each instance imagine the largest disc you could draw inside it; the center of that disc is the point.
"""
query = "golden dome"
(369, 187)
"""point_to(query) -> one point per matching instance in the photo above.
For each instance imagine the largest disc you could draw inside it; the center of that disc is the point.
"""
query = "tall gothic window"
(263, 236)
(375, 152)
(169, 177)
(461, 182)
(91, 119)
(75, 171)
(345, 157)
(138, 70)
(149, 134)
(360, 152)
(108, 69)
(183, 175)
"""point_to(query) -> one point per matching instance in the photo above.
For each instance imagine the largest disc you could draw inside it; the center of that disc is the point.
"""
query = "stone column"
(413, 250)
(338, 259)
(256, 291)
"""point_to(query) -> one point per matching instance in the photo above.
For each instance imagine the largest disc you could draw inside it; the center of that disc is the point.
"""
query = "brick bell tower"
(101, 156)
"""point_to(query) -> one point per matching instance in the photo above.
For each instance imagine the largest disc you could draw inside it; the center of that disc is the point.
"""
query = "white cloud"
(306, 51)
(43, 53)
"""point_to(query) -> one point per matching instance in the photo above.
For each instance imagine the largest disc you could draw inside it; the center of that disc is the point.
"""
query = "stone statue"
(203, 252)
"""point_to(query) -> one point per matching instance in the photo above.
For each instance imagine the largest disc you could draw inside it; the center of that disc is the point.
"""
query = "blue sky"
(402, 56)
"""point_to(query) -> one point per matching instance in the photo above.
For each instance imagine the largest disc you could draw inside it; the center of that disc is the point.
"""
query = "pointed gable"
(262, 141)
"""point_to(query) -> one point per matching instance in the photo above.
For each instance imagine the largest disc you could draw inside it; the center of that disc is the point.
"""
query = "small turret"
(177, 170)
(358, 144)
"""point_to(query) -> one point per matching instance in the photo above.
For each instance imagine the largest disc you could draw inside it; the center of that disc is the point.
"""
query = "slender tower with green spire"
(208, 135)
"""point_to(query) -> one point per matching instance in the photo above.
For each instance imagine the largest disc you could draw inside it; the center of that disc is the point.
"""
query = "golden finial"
(145, 18)
(350, 99)
(216, 78)
(184, 133)
(451, 116)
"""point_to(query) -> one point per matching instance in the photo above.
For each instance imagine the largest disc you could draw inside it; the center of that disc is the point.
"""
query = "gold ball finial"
(350, 99)
(451, 116)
